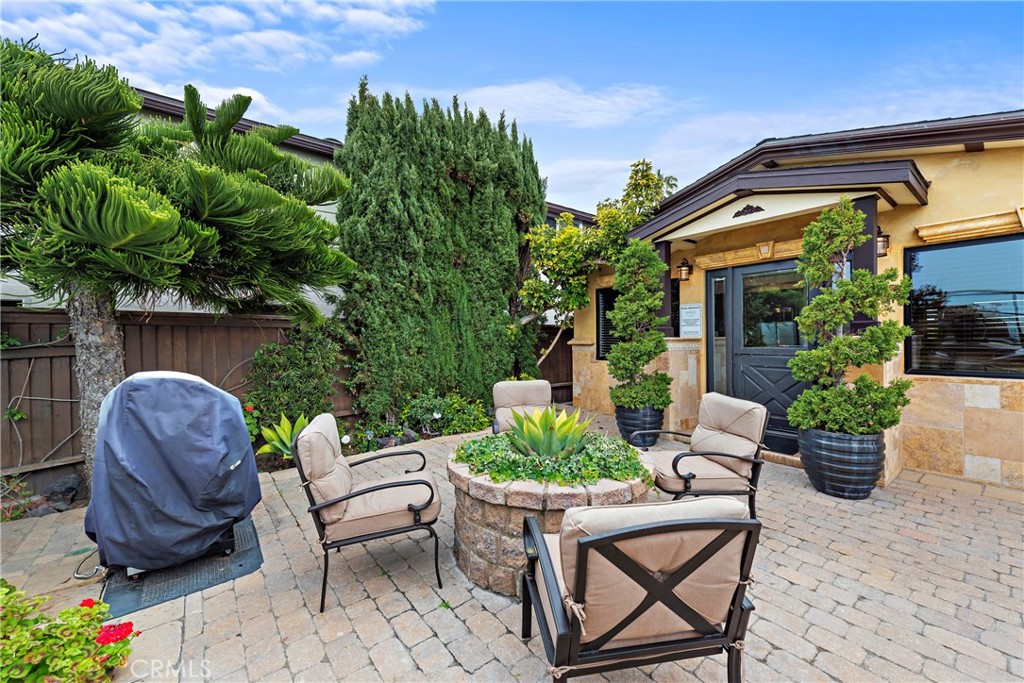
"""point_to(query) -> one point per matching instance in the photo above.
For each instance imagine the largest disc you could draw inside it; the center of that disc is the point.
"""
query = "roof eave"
(162, 104)
(856, 175)
(974, 129)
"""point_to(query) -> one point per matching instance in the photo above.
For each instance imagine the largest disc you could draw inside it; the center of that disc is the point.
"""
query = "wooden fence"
(37, 377)
(557, 368)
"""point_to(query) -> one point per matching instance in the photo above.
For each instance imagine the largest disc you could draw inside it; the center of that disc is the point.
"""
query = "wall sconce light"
(881, 242)
(685, 270)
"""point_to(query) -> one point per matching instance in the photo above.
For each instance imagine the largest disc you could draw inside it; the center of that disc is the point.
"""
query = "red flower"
(115, 633)
(88, 602)
(249, 409)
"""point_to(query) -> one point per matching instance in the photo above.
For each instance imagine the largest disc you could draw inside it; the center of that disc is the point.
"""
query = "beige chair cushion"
(729, 425)
(387, 509)
(551, 541)
(710, 475)
(611, 595)
(319, 451)
(523, 397)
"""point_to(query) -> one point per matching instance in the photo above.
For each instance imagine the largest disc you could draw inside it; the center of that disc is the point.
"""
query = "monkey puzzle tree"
(95, 211)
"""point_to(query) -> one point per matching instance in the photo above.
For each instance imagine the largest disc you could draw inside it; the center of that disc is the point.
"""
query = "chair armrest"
(656, 431)
(689, 454)
(380, 487)
(379, 456)
(537, 551)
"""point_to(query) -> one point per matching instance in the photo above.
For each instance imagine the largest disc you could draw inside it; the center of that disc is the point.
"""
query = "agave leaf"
(269, 434)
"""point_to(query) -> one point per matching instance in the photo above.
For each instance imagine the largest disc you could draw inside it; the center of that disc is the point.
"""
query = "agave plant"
(547, 435)
(280, 436)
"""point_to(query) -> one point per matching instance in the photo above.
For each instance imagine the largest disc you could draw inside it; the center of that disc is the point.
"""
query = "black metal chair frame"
(568, 658)
(314, 510)
(755, 469)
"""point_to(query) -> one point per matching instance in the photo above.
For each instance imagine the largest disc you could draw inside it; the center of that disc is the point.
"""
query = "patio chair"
(630, 585)
(521, 396)
(723, 455)
(345, 513)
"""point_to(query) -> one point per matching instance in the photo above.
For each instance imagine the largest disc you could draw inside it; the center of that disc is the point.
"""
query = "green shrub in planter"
(635, 321)
(832, 403)
(602, 457)
(840, 421)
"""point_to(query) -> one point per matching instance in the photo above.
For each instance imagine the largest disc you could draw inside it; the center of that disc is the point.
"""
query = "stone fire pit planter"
(489, 519)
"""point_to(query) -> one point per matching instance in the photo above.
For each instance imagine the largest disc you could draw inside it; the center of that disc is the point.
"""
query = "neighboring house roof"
(169, 106)
(764, 165)
(555, 210)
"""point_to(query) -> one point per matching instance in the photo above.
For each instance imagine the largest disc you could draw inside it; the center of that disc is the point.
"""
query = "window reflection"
(771, 303)
(967, 308)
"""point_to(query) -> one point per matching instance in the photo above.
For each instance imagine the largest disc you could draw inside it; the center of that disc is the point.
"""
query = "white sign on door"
(690, 321)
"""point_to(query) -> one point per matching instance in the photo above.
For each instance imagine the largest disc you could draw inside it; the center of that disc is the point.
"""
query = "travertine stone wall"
(489, 520)
(682, 362)
(965, 427)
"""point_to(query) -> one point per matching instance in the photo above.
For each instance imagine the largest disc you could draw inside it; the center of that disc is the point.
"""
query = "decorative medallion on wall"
(747, 210)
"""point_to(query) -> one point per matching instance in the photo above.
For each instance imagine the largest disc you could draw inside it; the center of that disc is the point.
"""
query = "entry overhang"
(758, 208)
(786, 192)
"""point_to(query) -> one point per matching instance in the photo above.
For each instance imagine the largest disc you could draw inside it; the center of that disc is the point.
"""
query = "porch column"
(866, 256)
(665, 252)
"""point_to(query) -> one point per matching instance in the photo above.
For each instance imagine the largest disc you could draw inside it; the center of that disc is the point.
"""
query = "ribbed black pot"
(842, 465)
(632, 420)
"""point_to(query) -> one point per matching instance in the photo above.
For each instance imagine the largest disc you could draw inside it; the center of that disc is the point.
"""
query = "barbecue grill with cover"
(174, 472)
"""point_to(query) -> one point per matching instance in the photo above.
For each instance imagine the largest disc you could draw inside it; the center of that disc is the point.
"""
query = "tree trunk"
(551, 346)
(99, 363)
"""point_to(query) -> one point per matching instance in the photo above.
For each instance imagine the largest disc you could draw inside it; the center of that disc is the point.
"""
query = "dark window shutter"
(673, 305)
(605, 339)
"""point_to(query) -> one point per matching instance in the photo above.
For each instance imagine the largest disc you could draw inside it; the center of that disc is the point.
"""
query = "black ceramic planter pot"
(632, 420)
(842, 465)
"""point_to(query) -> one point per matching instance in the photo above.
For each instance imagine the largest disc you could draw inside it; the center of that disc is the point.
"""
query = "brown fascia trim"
(555, 210)
(857, 175)
(959, 131)
(162, 104)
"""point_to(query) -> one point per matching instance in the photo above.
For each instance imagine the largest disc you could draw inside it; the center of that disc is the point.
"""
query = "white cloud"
(548, 100)
(695, 147)
(167, 42)
(356, 59)
(224, 17)
(378, 20)
(580, 182)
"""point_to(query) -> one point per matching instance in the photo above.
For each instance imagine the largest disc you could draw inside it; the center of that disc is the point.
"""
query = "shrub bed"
(602, 457)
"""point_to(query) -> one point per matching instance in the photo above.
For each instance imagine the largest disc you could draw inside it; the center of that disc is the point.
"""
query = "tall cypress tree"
(441, 201)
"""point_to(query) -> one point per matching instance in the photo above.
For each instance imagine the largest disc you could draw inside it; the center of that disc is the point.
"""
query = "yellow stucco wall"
(967, 427)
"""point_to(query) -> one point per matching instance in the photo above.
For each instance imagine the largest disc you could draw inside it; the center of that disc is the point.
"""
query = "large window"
(605, 302)
(967, 308)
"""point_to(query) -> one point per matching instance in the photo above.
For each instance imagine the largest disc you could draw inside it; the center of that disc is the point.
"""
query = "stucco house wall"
(961, 426)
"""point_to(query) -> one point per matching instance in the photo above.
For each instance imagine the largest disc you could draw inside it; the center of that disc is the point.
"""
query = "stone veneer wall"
(489, 520)
(590, 380)
(965, 427)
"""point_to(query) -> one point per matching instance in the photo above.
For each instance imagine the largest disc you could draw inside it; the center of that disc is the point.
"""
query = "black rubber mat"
(125, 595)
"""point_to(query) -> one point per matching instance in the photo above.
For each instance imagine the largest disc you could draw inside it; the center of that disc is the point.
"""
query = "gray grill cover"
(174, 471)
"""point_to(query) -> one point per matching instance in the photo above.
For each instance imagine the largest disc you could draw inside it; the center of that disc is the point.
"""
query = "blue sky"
(595, 85)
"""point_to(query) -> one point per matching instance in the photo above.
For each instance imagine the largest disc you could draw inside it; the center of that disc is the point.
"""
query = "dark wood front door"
(752, 335)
